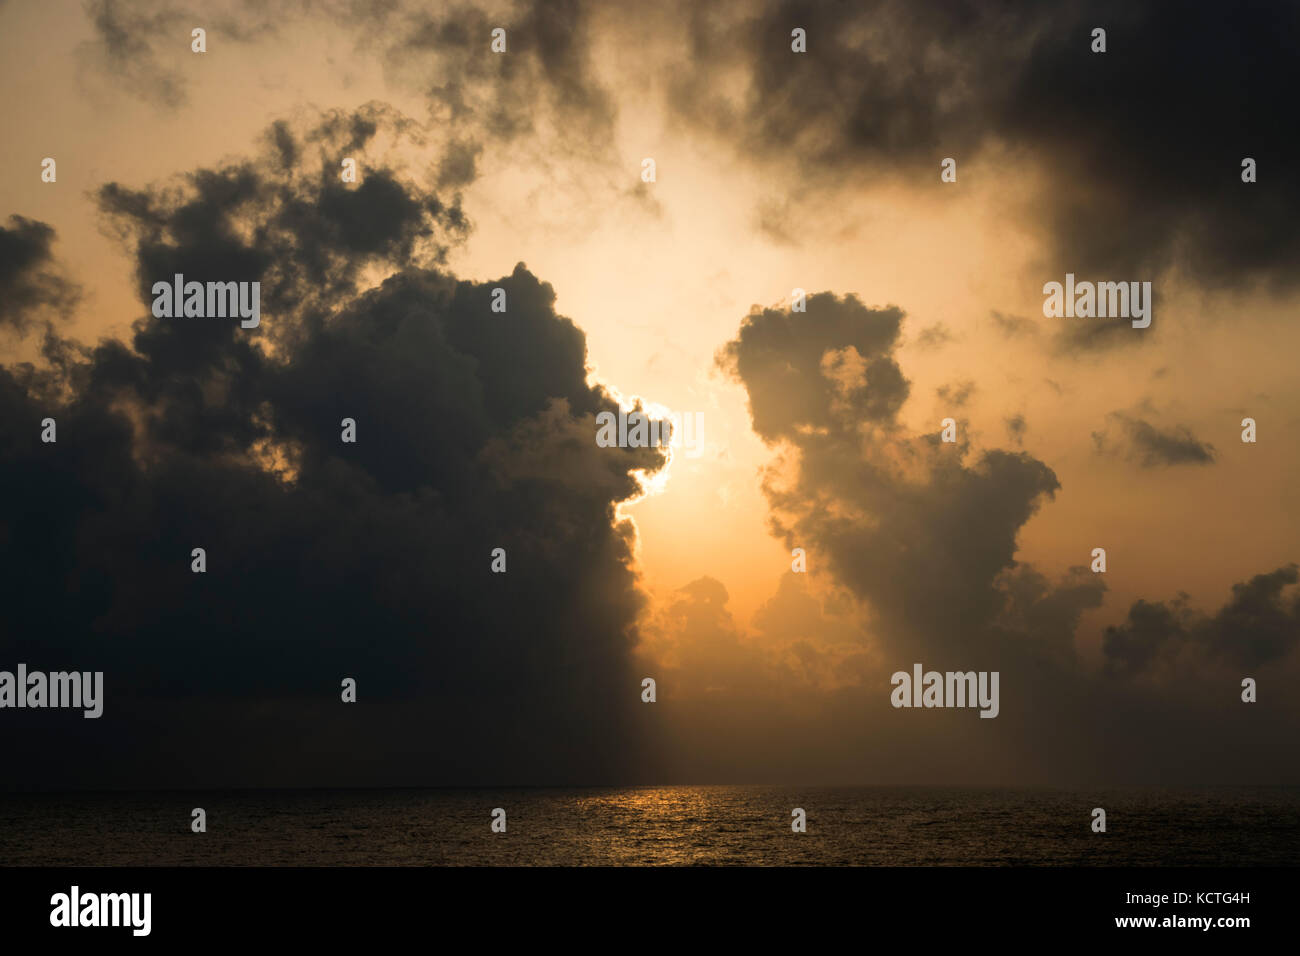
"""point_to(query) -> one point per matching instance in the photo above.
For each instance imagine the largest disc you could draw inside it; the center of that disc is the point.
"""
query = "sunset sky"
(775, 170)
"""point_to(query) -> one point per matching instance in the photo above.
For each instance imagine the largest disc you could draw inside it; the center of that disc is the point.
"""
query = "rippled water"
(895, 826)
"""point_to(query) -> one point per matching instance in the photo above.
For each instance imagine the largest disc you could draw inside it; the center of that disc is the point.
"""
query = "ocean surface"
(724, 825)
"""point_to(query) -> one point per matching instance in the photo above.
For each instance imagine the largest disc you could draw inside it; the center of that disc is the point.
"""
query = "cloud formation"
(31, 289)
(885, 90)
(1260, 624)
(889, 88)
(924, 535)
(1151, 446)
(325, 560)
(906, 521)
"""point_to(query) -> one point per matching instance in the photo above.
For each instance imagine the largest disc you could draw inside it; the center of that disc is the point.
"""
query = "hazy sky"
(775, 170)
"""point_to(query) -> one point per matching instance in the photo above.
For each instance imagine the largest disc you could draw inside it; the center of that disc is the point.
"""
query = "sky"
(775, 171)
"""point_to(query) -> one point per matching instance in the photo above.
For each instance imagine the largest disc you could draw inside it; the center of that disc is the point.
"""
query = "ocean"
(688, 825)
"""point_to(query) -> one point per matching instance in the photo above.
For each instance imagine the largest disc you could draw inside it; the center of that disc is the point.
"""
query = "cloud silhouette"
(924, 535)
(888, 88)
(31, 290)
(1258, 625)
(475, 431)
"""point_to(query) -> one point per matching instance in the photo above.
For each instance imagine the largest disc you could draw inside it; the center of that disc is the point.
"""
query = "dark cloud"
(544, 79)
(1141, 146)
(886, 90)
(476, 430)
(312, 235)
(797, 367)
(31, 290)
(1258, 625)
(924, 535)
(545, 75)
(904, 521)
(1152, 447)
(459, 166)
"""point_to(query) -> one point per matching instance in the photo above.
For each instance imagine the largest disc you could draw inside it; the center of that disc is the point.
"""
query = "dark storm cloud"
(1258, 625)
(1150, 446)
(475, 430)
(906, 522)
(924, 534)
(1141, 146)
(31, 290)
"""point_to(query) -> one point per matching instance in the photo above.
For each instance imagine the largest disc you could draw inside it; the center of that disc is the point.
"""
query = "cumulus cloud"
(918, 528)
(325, 560)
(924, 535)
(1016, 427)
(1258, 625)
